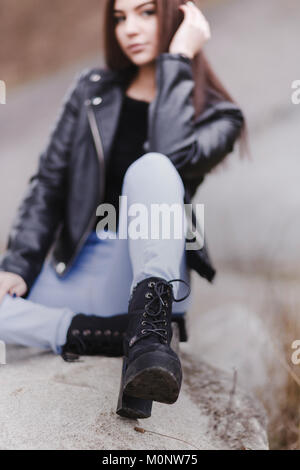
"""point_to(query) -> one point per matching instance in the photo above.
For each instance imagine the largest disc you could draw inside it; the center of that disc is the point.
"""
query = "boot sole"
(154, 376)
(132, 407)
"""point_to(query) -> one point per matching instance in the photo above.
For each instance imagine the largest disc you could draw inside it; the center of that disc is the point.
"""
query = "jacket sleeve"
(194, 146)
(41, 209)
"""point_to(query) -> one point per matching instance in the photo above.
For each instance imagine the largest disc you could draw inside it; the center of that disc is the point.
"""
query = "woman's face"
(136, 22)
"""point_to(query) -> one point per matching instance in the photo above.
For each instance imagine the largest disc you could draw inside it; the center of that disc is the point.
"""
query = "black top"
(127, 147)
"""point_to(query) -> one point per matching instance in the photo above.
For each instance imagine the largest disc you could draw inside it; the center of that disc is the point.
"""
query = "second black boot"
(91, 335)
(153, 369)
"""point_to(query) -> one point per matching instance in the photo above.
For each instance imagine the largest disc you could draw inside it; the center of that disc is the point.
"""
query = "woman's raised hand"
(192, 33)
(11, 283)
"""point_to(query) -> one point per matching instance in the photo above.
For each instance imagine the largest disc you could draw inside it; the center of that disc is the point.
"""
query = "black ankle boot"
(151, 369)
(94, 335)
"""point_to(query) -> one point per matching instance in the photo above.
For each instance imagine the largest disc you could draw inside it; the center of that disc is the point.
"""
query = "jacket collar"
(111, 90)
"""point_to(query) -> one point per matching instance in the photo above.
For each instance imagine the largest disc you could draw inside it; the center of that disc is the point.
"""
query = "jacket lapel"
(107, 113)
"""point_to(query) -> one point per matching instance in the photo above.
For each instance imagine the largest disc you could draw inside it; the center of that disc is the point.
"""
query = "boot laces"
(152, 317)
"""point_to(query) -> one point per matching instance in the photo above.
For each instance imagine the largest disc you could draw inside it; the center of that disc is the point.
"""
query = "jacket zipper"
(100, 153)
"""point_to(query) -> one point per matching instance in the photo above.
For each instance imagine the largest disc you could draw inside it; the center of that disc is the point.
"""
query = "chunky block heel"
(129, 406)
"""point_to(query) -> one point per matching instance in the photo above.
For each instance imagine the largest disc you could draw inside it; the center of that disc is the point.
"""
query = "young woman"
(149, 127)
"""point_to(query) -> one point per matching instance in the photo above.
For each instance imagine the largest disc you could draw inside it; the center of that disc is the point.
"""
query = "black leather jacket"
(58, 210)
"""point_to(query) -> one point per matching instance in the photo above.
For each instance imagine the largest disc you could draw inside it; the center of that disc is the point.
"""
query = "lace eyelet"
(164, 313)
(143, 332)
(166, 303)
(107, 332)
(75, 332)
(116, 333)
(143, 323)
(148, 295)
(145, 314)
(165, 322)
(86, 332)
(151, 284)
(98, 332)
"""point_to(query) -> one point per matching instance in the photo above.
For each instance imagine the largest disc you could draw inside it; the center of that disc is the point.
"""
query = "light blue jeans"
(105, 271)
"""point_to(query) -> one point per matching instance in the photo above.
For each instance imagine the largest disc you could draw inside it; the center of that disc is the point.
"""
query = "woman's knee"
(152, 163)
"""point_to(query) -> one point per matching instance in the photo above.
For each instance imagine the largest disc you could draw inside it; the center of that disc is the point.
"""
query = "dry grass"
(282, 402)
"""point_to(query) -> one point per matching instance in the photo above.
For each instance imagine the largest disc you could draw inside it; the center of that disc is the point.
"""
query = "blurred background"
(247, 320)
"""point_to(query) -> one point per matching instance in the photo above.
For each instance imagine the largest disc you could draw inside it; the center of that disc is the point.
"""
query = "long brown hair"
(169, 19)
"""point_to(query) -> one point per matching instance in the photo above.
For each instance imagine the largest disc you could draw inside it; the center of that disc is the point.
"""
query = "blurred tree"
(40, 36)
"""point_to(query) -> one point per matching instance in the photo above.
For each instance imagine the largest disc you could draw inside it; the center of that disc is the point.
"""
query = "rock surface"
(46, 403)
